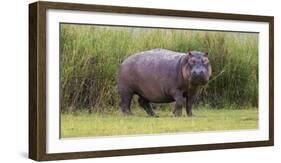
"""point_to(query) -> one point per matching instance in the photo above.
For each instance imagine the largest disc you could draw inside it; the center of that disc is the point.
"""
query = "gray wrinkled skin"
(162, 76)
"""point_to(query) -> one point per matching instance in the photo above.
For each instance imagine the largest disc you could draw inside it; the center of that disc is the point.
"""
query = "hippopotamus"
(162, 76)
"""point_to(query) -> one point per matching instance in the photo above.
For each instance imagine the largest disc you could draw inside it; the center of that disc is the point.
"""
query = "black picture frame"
(37, 79)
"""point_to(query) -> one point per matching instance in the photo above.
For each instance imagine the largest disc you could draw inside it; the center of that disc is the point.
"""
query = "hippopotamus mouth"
(199, 80)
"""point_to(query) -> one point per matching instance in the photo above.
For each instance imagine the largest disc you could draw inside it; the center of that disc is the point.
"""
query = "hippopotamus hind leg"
(125, 102)
(147, 106)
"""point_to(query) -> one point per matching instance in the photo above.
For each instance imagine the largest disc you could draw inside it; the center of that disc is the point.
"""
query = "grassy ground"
(82, 124)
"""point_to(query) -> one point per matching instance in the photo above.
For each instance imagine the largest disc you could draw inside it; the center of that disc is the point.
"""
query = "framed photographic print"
(112, 81)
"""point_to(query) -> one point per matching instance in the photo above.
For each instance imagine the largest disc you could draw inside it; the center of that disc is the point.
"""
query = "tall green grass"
(90, 57)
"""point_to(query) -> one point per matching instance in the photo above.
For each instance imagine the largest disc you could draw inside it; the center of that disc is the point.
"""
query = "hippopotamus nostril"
(198, 73)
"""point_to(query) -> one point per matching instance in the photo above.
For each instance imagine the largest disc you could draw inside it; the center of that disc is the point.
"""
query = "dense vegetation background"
(90, 57)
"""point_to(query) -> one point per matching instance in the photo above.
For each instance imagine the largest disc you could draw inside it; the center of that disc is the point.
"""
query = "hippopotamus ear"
(190, 54)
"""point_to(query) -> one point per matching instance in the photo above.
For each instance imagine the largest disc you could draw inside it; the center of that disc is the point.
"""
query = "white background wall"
(14, 80)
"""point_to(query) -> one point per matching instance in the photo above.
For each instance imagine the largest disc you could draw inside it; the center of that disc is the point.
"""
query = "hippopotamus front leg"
(179, 103)
(189, 101)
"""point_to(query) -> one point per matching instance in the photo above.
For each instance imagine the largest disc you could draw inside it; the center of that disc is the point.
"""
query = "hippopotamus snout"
(199, 77)
(199, 72)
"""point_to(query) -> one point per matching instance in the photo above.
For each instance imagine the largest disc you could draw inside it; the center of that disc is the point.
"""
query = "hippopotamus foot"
(127, 113)
(190, 114)
(147, 106)
(177, 112)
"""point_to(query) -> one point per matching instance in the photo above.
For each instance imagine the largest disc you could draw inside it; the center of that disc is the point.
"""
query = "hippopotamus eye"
(192, 61)
(205, 61)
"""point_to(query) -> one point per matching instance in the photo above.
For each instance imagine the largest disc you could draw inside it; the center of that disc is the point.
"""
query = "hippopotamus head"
(197, 68)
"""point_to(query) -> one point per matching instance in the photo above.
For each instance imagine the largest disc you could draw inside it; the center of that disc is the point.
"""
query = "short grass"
(83, 124)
